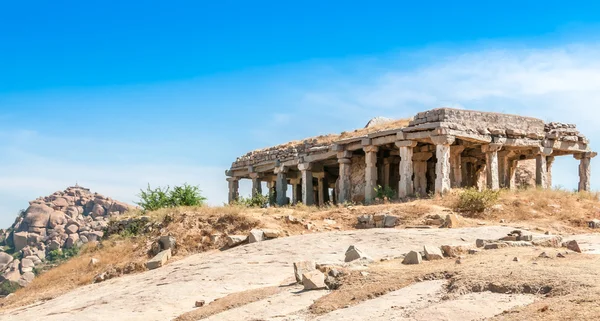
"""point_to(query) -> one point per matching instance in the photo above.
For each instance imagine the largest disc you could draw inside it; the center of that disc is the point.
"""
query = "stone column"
(512, 174)
(420, 172)
(370, 172)
(456, 166)
(320, 187)
(491, 165)
(504, 168)
(233, 189)
(256, 187)
(344, 183)
(386, 171)
(406, 186)
(541, 169)
(442, 167)
(272, 192)
(296, 190)
(308, 196)
(281, 185)
(584, 170)
(549, 163)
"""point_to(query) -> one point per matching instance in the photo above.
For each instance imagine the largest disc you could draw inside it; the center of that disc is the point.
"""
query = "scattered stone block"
(413, 257)
(544, 255)
(473, 251)
(573, 246)
(595, 223)
(560, 255)
(433, 253)
(454, 251)
(390, 221)
(303, 267)
(516, 259)
(272, 233)
(512, 238)
(482, 243)
(256, 236)
(234, 240)
(379, 220)
(353, 253)
(527, 238)
(167, 242)
(159, 260)
(494, 246)
(548, 241)
(365, 221)
(314, 280)
(200, 303)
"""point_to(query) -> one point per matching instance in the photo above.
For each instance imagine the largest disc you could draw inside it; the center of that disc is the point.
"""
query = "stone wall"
(357, 179)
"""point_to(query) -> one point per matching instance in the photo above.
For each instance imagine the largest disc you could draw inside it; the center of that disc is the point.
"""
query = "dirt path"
(167, 292)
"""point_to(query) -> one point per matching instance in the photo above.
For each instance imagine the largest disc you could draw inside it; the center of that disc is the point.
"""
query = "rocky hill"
(50, 225)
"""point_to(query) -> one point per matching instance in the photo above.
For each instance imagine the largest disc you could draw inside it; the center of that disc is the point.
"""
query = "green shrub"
(475, 201)
(7, 287)
(58, 256)
(384, 192)
(258, 200)
(154, 199)
(133, 228)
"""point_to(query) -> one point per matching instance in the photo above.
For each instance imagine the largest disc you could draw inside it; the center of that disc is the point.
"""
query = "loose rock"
(303, 267)
(413, 257)
(314, 280)
(433, 253)
(353, 253)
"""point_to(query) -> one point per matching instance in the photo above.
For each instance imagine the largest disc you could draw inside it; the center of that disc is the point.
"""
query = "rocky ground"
(353, 263)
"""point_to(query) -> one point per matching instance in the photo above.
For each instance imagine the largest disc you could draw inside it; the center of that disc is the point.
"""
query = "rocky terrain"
(50, 226)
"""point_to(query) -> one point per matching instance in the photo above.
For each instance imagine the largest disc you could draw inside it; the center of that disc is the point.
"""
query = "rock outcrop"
(64, 220)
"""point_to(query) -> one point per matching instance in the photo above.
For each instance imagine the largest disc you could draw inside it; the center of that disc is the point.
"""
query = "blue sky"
(115, 95)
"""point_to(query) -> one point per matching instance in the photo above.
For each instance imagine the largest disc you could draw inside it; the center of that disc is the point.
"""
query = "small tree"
(186, 195)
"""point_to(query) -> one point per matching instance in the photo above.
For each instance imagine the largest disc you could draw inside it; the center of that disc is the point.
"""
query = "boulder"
(454, 251)
(72, 229)
(234, 240)
(159, 260)
(60, 202)
(33, 238)
(20, 240)
(5, 259)
(313, 280)
(303, 267)
(98, 210)
(256, 236)
(54, 245)
(413, 257)
(167, 242)
(433, 253)
(271, 233)
(38, 215)
(72, 241)
(573, 246)
(83, 239)
(119, 207)
(390, 221)
(379, 220)
(365, 221)
(353, 253)
(548, 241)
(12, 272)
(451, 221)
(57, 218)
(26, 278)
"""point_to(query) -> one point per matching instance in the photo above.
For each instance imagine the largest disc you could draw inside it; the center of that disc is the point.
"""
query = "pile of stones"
(255, 235)
(376, 221)
(63, 220)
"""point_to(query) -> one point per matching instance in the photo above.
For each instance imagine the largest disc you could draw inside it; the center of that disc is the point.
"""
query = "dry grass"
(230, 301)
(554, 280)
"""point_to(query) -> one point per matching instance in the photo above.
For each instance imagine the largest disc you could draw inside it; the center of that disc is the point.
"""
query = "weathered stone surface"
(159, 260)
(413, 257)
(256, 236)
(494, 246)
(12, 272)
(303, 267)
(233, 240)
(433, 253)
(5, 259)
(71, 241)
(353, 253)
(20, 240)
(313, 280)
(271, 233)
(454, 251)
(548, 241)
(573, 246)
(167, 242)
(72, 229)
(390, 221)
(38, 215)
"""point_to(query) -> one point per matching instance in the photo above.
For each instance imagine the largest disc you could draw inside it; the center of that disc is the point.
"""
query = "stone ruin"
(63, 220)
(440, 149)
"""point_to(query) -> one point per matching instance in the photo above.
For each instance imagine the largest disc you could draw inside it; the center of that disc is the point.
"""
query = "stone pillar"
(344, 178)
(233, 189)
(512, 174)
(541, 169)
(442, 167)
(296, 191)
(320, 187)
(370, 172)
(272, 192)
(386, 171)
(256, 187)
(504, 168)
(406, 186)
(308, 196)
(549, 163)
(456, 166)
(491, 165)
(420, 172)
(584, 170)
(281, 185)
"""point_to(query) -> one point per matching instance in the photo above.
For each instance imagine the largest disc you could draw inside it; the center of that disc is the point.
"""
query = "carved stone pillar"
(320, 187)
(344, 178)
(386, 171)
(420, 172)
(406, 186)
(512, 173)
(256, 184)
(233, 189)
(541, 169)
(456, 166)
(585, 170)
(491, 165)
(370, 172)
(307, 184)
(281, 185)
(442, 167)
(296, 190)
(549, 163)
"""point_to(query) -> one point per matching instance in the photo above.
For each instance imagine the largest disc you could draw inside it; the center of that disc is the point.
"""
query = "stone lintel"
(354, 146)
(400, 135)
(319, 175)
(232, 179)
(366, 141)
(406, 143)
(305, 166)
(344, 155)
(383, 140)
(467, 159)
(543, 151)
(370, 149)
(281, 169)
(255, 175)
(443, 139)
(228, 172)
(580, 156)
(422, 156)
(337, 147)
(566, 146)
(490, 148)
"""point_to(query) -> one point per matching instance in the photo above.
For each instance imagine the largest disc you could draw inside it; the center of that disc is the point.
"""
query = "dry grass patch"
(230, 301)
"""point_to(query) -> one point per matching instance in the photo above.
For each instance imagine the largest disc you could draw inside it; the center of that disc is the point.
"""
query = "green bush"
(475, 201)
(186, 195)
(7, 287)
(57, 256)
(384, 192)
(258, 200)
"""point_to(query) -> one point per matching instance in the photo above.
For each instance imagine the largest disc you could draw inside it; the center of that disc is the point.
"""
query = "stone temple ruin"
(436, 150)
